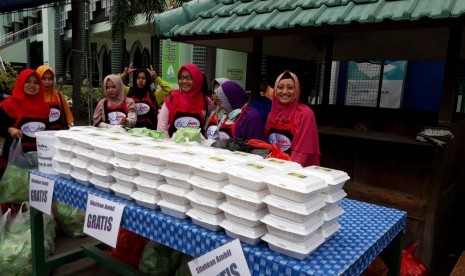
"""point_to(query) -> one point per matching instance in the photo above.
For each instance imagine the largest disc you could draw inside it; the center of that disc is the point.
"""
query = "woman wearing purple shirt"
(240, 120)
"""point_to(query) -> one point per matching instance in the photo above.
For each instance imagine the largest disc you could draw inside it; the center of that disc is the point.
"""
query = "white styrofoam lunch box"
(66, 149)
(87, 139)
(67, 136)
(204, 203)
(124, 166)
(104, 145)
(334, 197)
(180, 160)
(81, 177)
(291, 230)
(148, 186)
(242, 215)
(250, 235)
(279, 164)
(327, 230)
(128, 150)
(101, 174)
(173, 209)
(63, 161)
(101, 185)
(146, 200)
(150, 171)
(177, 178)
(295, 186)
(79, 165)
(208, 187)
(243, 157)
(122, 191)
(153, 153)
(243, 197)
(174, 194)
(64, 172)
(334, 178)
(330, 214)
(212, 167)
(250, 175)
(206, 220)
(293, 210)
(100, 160)
(297, 250)
(82, 153)
(124, 179)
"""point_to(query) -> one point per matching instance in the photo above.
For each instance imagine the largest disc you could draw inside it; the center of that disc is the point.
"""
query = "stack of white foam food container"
(84, 146)
(244, 207)
(99, 159)
(150, 167)
(64, 154)
(332, 195)
(293, 221)
(178, 170)
(124, 164)
(207, 182)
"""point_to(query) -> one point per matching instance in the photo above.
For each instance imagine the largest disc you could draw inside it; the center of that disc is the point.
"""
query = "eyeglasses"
(185, 77)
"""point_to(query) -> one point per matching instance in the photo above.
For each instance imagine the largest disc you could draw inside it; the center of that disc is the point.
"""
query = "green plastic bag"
(159, 260)
(15, 246)
(187, 134)
(69, 219)
(156, 134)
(14, 185)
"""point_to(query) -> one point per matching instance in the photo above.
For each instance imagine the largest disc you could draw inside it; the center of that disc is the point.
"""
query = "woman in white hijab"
(115, 110)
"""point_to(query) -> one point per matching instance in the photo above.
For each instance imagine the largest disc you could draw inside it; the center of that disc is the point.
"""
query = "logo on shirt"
(142, 108)
(183, 122)
(221, 134)
(115, 117)
(283, 141)
(30, 129)
(54, 114)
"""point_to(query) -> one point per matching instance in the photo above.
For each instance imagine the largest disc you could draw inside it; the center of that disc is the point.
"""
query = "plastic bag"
(69, 219)
(159, 260)
(155, 134)
(14, 185)
(187, 134)
(129, 247)
(275, 150)
(15, 246)
(411, 266)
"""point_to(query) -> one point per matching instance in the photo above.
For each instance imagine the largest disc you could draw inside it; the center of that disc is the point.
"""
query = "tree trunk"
(118, 51)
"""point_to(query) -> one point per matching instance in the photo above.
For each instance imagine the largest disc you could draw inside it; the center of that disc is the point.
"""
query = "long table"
(367, 231)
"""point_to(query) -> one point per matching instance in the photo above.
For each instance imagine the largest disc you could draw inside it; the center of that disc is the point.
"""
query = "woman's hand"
(153, 73)
(128, 70)
(15, 133)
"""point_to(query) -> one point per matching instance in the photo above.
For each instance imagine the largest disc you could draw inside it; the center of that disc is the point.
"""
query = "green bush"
(97, 95)
(9, 76)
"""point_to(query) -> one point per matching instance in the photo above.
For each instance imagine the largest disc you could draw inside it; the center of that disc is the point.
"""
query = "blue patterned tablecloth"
(366, 230)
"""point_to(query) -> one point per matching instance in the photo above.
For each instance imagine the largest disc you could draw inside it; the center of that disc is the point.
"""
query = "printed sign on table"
(226, 260)
(41, 193)
(103, 218)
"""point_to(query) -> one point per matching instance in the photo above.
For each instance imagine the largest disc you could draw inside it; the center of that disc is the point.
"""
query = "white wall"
(231, 65)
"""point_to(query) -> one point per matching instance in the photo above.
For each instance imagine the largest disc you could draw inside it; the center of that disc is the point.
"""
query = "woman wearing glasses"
(188, 106)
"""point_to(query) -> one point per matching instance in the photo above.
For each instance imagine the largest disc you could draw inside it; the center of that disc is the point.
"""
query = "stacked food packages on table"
(293, 209)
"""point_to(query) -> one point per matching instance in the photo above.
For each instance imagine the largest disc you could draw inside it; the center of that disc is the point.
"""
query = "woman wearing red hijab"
(23, 114)
(187, 106)
(291, 124)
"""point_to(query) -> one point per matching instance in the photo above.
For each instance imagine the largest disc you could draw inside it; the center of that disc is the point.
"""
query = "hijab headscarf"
(283, 113)
(119, 100)
(19, 104)
(192, 100)
(232, 96)
(220, 81)
(49, 92)
(137, 92)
